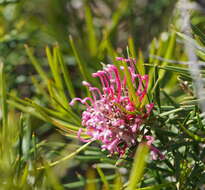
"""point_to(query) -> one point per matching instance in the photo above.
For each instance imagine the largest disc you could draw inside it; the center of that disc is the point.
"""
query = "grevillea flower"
(111, 116)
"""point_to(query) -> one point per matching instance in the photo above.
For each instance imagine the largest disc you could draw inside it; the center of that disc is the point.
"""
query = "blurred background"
(100, 30)
(45, 22)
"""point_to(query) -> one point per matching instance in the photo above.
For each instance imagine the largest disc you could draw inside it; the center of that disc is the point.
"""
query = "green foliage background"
(65, 42)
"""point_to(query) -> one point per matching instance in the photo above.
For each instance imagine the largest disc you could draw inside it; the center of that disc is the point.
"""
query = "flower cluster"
(110, 116)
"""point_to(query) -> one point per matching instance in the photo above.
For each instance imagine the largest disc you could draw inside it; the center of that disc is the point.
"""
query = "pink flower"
(110, 116)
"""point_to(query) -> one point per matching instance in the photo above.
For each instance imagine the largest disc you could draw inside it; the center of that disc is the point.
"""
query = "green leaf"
(81, 64)
(92, 41)
(53, 180)
(36, 64)
(198, 32)
(131, 89)
(118, 181)
(52, 60)
(169, 53)
(87, 181)
(66, 157)
(170, 48)
(131, 46)
(27, 136)
(157, 87)
(66, 74)
(156, 187)
(152, 50)
(4, 106)
(191, 41)
(24, 176)
(55, 68)
(192, 135)
(173, 102)
(103, 178)
(138, 166)
(140, 63)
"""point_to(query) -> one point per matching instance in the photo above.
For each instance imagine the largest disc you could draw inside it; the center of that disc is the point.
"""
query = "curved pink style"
(110, 115)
